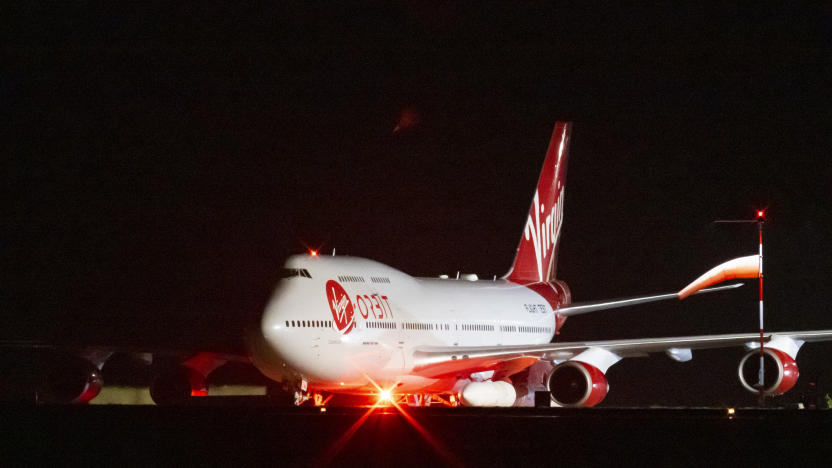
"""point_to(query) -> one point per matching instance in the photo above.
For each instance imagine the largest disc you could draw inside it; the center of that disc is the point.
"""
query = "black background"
(160, 160)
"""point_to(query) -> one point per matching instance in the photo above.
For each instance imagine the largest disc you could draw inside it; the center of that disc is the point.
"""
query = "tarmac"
(230, 433)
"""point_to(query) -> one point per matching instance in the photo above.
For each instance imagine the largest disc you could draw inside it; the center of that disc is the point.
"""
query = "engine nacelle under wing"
(70, 379)
(575, 383)
(176, 385)
(781, 371)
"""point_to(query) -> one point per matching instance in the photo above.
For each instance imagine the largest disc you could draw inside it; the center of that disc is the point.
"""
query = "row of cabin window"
(425, 326)
(308, 323)
(421, 326)
(390, 325)
(351, 279)
(379, 279)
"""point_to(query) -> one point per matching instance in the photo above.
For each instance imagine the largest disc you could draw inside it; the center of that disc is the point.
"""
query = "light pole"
(760, 219)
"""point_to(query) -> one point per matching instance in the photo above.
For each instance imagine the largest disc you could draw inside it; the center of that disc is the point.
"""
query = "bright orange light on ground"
(313, 253)
(386, 399)
(385, 396)
(438, 446)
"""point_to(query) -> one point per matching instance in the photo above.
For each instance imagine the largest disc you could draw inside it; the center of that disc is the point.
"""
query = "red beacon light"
(761, 215)
(313, 253)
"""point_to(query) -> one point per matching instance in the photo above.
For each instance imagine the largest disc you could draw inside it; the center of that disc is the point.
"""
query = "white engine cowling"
(488, 393)
(575, 383)
(781, 371)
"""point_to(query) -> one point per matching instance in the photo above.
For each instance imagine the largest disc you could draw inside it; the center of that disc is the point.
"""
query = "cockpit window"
(292, 272)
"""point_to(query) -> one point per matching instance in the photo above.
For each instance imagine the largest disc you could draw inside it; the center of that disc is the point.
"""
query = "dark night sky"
(159, 161)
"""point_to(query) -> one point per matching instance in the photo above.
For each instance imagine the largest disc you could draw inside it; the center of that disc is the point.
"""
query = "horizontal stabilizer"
(587, 307)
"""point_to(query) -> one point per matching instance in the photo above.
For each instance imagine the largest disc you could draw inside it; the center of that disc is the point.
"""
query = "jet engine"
(69, 379)
(175, 385)
(575, 383)
(781, 371)
(488, 393)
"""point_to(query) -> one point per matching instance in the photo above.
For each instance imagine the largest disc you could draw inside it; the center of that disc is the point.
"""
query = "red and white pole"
(761, 375)
(761, 218)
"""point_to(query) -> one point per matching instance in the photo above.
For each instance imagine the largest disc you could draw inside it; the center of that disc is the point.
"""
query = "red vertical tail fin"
(537, 253)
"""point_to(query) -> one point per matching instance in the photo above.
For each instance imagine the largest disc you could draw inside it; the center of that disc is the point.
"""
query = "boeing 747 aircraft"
(348, 325)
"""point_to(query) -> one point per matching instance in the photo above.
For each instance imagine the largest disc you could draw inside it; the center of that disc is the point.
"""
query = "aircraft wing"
(447, 360)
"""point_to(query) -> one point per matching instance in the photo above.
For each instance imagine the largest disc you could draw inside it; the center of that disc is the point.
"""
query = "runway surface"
(249, 435)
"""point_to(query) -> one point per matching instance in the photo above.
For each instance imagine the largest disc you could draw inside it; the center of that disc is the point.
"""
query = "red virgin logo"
(341, 307)
(543, 231)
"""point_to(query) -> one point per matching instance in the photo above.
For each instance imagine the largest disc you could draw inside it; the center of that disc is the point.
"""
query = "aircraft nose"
(273, 326)
(270, 347)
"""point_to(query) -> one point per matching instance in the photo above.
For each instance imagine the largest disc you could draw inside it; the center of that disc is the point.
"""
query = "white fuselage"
(342, 336)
